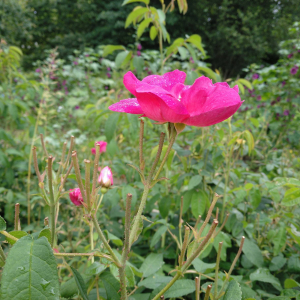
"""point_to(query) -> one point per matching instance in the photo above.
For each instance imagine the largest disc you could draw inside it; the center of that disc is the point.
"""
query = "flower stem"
(172, 140)
(17, 217)
(51, 198)
(92, 238)
(78, 175)
(105, 243)
(142, 162)
(217, 270)
(87, 183)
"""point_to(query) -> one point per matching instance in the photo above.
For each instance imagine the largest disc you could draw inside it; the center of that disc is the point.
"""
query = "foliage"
(252, 160)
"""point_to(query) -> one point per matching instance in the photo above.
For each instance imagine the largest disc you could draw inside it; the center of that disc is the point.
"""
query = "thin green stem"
(62, 160)
(142, 162)
(17, 216)
(92, 238)
(175, 278)
(172, 140)
(96, 162)
(138, 215)
(5, 233)
(2, 254)
(105, 243)
(87, 183)
(51, 198)
(197, 286)
(217, 270)
(208, 289)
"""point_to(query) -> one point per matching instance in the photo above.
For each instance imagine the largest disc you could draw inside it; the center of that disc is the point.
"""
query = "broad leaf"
(30, 271)
(253, 253)
(2, 224)
(180, 288)
(264, 275)
(80, 284)
(233, 291)
(152, 264)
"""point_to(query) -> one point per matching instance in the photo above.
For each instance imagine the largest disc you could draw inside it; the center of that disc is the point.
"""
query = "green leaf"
(110, 126)
(203, 267)
(174, 47)
(277, 262)
(195, 39)
(191, 50)
(122, 58)
(198, 204)
(16, 233)
(143, 26)
(253, 253)
(245, 83)
(209, 72)
(46, 233)
(154, 281)
(180, 288)
(2, 224)
(291, 197)
(194, 181)
(30, 271)
(264, 275)
(164, 206)
(138, 63)
(111, 285)
(279, 240)
(157, 236)
(152, 264)
(80, 284)
(153, 32)
(250, 140)
(255, 122)
(135, 14)
(233, 291)
(111, 48)
(290, 283)
(132, 1)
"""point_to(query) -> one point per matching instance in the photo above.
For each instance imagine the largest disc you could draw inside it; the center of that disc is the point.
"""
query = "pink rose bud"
(102, 145)
(106, 177)
(76, 197)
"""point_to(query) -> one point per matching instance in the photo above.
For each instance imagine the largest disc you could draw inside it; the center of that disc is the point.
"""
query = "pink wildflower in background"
(255, 76)
(102, 145)
(138, 53)
(76, 197)
(290, 55)
(139, 47)
(294, 70)
(166, 99)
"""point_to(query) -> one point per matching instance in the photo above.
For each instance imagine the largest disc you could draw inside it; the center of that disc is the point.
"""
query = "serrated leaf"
(2, 224)
(195, 39)
(253, 253)
(136, 13)
(203, 267)
(30, 271)
(279, 240)
(180, 288)
(111, 48)
(153, 32)
(198, 204)
(17, 234)
(111, 285)
(233, 291)
(264, 275)
(154, 281)
(80, 284)
(250, 140)
(291, 197)
(143, 26)
(194, 181)
(46, 233)
(157, 236)
(152, 264)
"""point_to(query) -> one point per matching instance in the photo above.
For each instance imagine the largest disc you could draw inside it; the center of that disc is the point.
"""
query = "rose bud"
(76, 197)
(106, 178)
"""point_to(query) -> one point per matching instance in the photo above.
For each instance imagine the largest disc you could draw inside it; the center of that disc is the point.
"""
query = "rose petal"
(166, 81)
(130, 82)
(130, 106)
(162, 107)
(203, 96)
(213, 116)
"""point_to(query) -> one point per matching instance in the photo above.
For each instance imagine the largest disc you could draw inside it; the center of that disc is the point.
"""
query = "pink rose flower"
(166, 99)
(106, 177)
(102, 145)
(76, 197)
